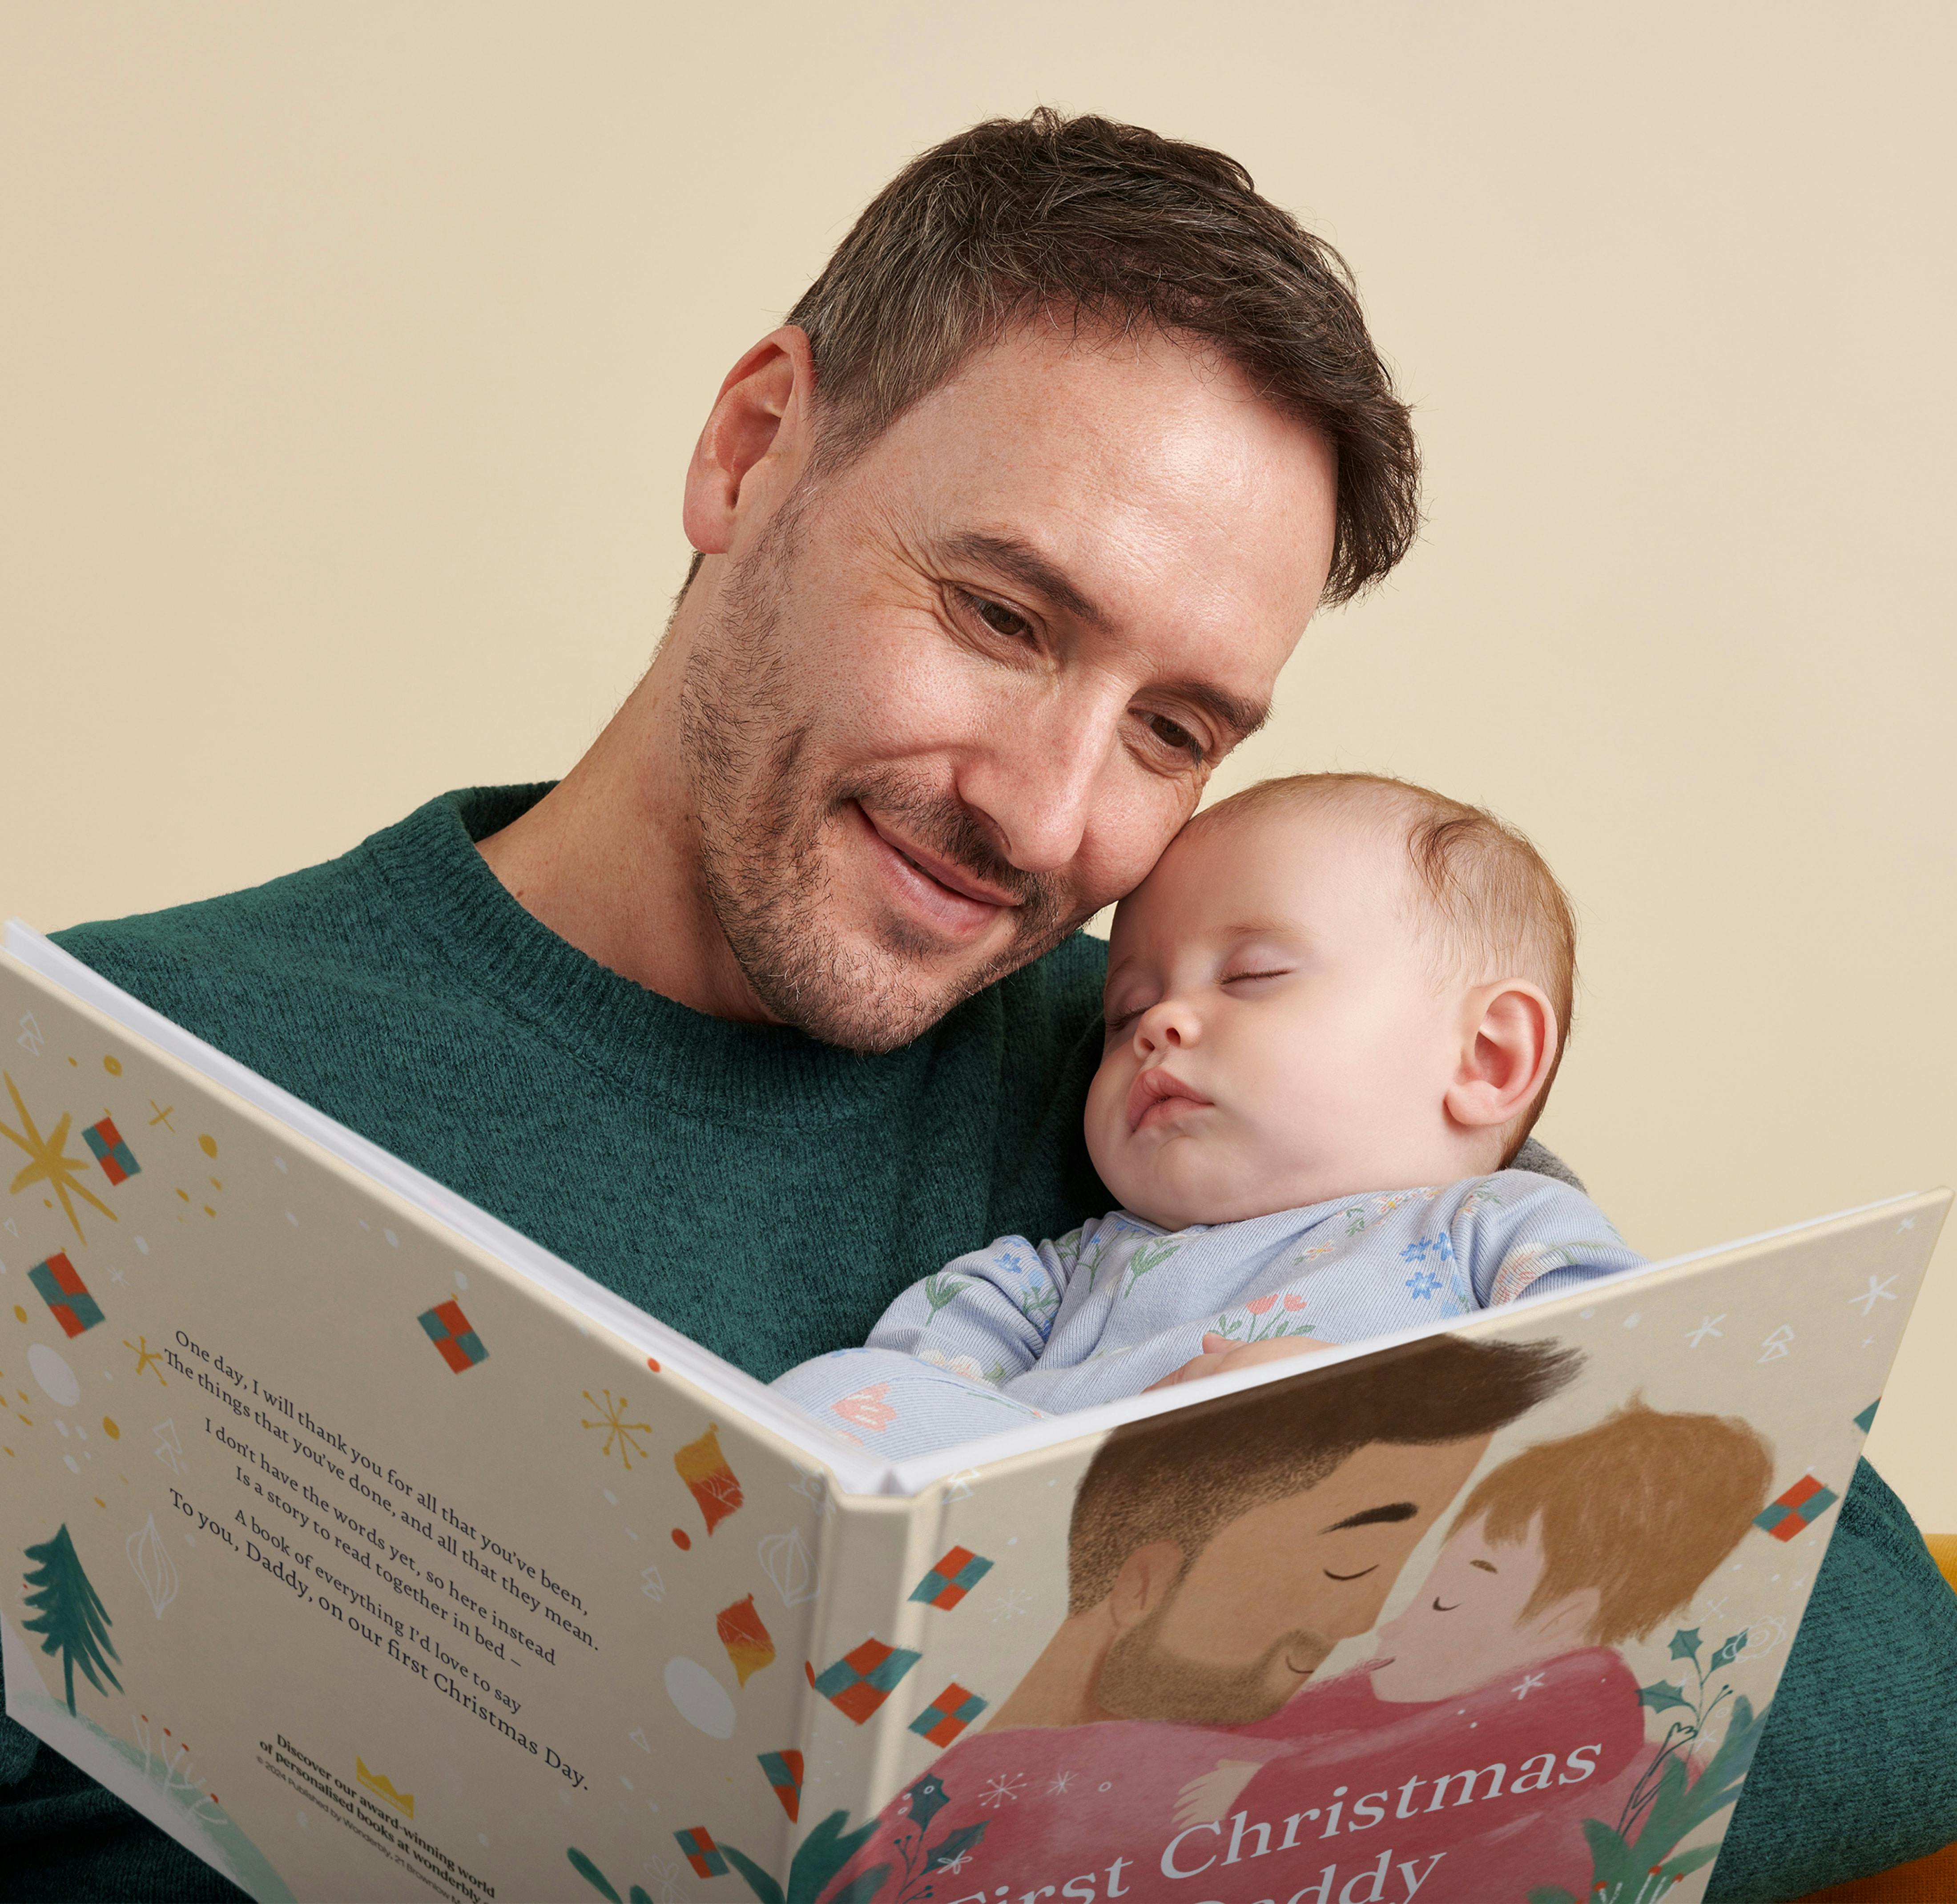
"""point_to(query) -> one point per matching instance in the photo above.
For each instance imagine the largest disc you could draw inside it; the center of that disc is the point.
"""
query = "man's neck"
(609, 859)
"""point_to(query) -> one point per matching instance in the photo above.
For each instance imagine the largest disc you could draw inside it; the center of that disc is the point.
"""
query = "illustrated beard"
(1141, 1678)
(763, 805)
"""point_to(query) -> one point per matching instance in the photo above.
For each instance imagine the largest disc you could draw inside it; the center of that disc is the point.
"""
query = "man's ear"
(756, 442)
(1508, 1044)
(1147, 1578)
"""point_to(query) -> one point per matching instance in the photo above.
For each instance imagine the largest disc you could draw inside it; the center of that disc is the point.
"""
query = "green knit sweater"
(769, 1196)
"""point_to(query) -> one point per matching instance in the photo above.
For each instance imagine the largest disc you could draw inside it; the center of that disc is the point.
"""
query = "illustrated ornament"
(151, 1562)
(709, 1478)
(69, 1614)
(749, 1646)
(789, 1566)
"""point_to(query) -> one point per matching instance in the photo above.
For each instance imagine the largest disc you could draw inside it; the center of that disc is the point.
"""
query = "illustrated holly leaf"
(955, 1846)
(759, 1881)
(823, 1852)
(1685, 1643)
(1686, 1862)
(861, 1889)
(1662, 1697)
(592, 1875)
(1729, 1649)
(927, 1798)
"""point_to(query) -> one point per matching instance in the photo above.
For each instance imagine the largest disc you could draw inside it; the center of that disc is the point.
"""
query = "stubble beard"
(763, 805)
(1142, 1679)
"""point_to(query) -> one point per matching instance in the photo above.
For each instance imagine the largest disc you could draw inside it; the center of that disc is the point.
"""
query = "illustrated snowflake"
(1060, 1782)
(1006, 1785)
(618, 1431)
(1010, 1605)
(1530, 1680)
(1877, 1292)
(1422, 1284)
(1709, 1327)
(667, 1878)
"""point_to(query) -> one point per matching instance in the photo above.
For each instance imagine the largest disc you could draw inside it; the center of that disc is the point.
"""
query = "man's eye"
(1172, 733)
(1000, 619)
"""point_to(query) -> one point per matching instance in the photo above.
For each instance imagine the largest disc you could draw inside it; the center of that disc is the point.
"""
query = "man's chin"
(865, 996)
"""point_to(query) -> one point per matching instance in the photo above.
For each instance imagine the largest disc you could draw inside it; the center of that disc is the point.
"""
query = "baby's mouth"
(1158, 1096)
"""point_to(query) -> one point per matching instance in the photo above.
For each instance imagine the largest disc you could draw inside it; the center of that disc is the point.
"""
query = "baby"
(1334, 1009)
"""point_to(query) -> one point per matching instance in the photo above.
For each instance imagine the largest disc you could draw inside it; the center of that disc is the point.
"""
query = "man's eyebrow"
(1025, 565)
(1371, 1517)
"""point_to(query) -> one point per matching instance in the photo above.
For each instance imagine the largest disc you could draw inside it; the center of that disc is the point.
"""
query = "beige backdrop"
(350, 356)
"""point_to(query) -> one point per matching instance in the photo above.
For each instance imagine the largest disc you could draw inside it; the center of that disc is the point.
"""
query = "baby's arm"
(1220, 1354)
(987, 1313)
(1520, 1234)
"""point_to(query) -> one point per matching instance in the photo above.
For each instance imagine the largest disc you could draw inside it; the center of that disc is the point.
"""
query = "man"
(1003, 538)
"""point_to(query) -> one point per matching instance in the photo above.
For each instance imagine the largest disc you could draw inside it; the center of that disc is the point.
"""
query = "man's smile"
(955, 904)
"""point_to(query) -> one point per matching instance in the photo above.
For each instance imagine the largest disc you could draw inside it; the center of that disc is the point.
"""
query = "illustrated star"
(48, 1162)
(163, 1116)
(1696, 1337)
(1530, 1682)
(1876, 1291)
(618, 1431)
(146, 1357)
(1908, 1222)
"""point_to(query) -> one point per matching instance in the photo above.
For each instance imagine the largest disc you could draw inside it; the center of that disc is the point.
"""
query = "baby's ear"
(1508, 1045)
(1571, 1618)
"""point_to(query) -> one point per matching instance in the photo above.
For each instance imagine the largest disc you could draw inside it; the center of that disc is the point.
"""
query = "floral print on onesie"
(1019, 1329)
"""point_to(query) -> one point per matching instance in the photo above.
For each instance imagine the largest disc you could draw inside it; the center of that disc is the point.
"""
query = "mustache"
(941, 825)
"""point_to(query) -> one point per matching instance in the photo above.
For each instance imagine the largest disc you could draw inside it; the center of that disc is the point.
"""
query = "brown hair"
(1182, 1475)
(1087, 220)
(1642, 1507)
(1499, 911)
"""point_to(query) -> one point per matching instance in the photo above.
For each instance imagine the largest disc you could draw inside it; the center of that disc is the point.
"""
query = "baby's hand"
(1220, 1354)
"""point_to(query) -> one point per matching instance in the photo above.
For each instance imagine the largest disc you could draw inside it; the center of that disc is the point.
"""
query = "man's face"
(948, 701)
(1254, 1615)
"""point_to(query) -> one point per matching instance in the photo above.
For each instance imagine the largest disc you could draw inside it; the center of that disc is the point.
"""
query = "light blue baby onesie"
(1019, 1329)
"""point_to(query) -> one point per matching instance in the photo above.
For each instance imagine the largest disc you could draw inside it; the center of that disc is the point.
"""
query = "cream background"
(350, 357)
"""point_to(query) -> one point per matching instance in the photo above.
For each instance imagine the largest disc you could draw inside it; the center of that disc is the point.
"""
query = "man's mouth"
(956, 901)
(1158, 1096)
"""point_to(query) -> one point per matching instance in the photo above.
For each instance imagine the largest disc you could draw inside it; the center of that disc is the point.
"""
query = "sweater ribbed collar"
(716, 1071)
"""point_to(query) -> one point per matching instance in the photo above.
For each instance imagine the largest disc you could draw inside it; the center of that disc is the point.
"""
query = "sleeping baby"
(1334, 1011)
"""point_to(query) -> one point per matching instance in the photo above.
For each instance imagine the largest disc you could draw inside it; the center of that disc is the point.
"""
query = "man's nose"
(1040, 782)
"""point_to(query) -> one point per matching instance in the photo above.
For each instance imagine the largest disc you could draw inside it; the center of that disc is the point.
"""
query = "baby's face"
(1276, 1033)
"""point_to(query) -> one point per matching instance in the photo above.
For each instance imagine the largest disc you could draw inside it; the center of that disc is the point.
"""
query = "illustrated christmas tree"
(69, 1613)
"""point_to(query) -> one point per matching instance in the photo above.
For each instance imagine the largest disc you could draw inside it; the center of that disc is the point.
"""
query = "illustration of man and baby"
(1169, 1742)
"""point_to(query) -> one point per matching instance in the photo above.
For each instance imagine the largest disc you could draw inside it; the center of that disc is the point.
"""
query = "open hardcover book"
(375, 1553)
